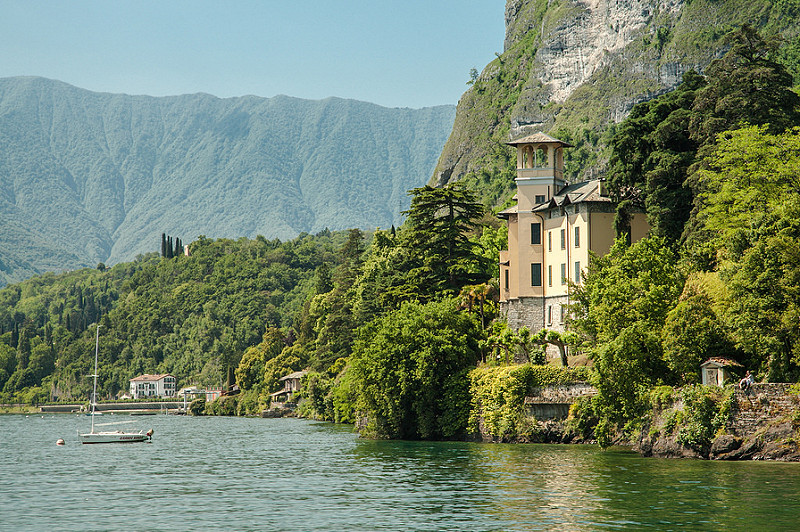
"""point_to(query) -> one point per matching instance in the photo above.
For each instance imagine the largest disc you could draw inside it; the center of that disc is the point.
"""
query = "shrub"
(706, 411)
(198, 407)
(222, 406)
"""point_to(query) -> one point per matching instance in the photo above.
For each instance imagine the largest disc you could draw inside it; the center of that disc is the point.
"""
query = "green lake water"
(291, 474)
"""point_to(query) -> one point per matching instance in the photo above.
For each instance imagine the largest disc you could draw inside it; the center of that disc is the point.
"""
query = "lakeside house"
(552, 230)
(209, 394)
(291, 385)
(143, 386)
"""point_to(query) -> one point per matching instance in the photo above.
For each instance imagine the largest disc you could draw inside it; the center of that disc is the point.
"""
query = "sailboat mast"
(94, 388)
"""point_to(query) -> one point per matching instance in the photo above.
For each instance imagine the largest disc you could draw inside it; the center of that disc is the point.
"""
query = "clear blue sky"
(391, 52)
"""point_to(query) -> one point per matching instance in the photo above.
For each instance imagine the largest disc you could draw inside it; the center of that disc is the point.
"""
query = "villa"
(552, 230)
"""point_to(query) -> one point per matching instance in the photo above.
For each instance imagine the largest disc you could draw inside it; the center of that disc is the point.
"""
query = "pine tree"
(440, 221)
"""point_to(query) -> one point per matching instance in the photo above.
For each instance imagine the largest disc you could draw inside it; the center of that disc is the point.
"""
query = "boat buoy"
(60, 441)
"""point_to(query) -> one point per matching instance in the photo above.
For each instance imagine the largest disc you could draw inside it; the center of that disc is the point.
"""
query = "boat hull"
(114, 437)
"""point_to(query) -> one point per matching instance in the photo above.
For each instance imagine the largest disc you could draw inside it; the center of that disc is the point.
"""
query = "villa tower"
(551, 231)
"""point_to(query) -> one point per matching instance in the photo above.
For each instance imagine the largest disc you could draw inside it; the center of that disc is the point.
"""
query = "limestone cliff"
(574, 67)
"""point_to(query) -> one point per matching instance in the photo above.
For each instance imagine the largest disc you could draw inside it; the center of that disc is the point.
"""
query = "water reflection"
(289, 474)
(540, 487)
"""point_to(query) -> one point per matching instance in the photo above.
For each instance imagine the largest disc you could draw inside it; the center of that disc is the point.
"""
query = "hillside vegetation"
(189, 316)
(575, 70)
(88, 177)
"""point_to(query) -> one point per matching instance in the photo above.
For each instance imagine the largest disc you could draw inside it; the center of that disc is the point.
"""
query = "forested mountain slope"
(191, 316)
(576, 68)
(87, 177)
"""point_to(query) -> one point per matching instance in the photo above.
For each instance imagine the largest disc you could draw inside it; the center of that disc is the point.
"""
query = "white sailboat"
(116, 436)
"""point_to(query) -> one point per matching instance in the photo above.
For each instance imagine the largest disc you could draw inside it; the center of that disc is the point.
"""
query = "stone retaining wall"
(553, 402)
(760, 405)
(763, 425)
(113, 407)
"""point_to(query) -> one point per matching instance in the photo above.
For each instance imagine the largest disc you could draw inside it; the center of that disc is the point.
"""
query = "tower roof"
(539, 138)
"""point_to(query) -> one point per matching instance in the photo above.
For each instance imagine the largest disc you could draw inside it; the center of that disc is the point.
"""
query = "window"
(563, 313)
(577, 237)
(563, 239)
(549, 241)
(549, 314)
(536, 274)
(550, 275)
(527, 157)
(577, 277)
(506, 275)
(540, 198)
(541, 157)
(536, 233)
(563, 273)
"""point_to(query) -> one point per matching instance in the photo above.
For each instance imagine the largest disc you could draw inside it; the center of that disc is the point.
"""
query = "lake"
(293, 474)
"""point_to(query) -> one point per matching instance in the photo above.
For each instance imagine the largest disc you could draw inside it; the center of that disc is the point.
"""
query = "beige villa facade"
(551, 232)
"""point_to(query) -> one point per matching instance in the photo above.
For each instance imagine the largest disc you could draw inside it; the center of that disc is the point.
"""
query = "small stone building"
(718, 371)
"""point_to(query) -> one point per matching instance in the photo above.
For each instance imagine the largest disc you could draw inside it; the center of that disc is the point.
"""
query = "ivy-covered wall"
(498, 411)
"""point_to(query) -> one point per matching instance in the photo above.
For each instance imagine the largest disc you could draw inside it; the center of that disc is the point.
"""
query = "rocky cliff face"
(586, 39)
(572, 68)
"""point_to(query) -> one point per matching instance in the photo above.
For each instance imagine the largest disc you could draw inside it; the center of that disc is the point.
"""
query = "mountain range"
(90, 177)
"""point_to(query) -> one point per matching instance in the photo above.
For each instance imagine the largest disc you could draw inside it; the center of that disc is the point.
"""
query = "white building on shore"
(145, 386)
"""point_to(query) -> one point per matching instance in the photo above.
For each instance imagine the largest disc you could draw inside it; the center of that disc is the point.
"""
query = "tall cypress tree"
(163, 244)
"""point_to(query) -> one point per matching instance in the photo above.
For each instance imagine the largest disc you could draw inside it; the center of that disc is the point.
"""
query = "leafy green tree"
(336, 322)
(652, 152)
(749, 174)
(42, 361)
(291, 359)
(250, 372)
(627, 367)
(764, 288)
(491, 241)
(692, 333)
(8, 362)
(546, 337)
(323, 282)
(631, 284)
(410, 369)
(384, 280)
(621, 309)
(481, 299)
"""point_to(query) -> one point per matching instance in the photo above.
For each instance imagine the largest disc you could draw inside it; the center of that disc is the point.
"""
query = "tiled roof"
(514, 209)
(539, 138)
(142, 378)
(295, 375)
(587, 191)
(721, 361)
